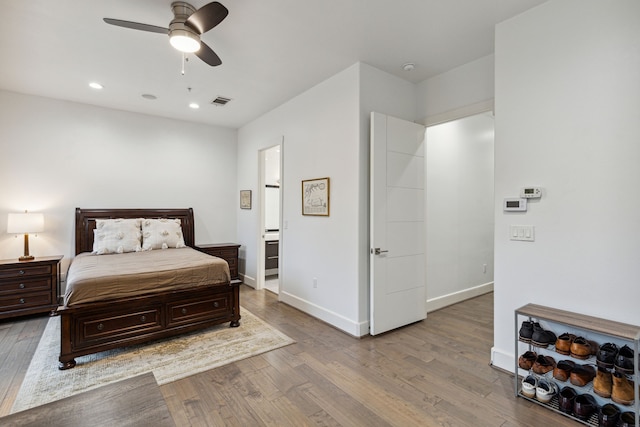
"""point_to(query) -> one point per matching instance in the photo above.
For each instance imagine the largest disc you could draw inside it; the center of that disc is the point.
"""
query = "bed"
(122, 309)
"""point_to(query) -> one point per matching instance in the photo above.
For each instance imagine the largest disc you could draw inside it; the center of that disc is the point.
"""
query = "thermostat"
(517, 205)
(531, 192)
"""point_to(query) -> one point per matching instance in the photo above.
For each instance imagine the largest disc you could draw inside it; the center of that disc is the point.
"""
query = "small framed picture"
(315, 197)
(245, 199)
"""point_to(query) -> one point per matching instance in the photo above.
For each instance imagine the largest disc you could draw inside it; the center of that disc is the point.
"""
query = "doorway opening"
(270, 217)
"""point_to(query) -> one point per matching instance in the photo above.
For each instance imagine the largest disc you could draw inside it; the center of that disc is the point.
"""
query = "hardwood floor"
(431, 373)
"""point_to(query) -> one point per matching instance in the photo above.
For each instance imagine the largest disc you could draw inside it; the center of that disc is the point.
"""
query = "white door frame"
(260, 253)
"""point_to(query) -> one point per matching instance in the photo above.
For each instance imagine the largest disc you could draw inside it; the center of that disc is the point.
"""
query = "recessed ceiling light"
(408, 66)
(194, 106)
(149, 96)
(95, 85)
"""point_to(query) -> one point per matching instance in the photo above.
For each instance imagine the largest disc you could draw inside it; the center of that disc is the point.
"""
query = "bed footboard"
(97, 327)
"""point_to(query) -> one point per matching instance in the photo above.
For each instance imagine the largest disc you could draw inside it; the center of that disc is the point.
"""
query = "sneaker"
(545, 391)
(529, 385)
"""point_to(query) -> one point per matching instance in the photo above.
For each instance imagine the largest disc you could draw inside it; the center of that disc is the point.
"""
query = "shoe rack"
(593, 328)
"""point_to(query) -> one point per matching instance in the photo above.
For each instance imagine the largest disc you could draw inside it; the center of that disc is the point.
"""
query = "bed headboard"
(86, 222)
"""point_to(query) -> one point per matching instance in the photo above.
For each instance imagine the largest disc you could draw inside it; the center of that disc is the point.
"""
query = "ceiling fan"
(186, 28)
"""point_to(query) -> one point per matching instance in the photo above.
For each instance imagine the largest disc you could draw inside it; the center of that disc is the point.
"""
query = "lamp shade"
(25, 223)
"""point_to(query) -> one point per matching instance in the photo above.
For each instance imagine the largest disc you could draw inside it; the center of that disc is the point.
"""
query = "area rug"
(169, 359)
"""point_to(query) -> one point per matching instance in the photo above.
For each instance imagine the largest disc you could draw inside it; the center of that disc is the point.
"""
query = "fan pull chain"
(183, 63)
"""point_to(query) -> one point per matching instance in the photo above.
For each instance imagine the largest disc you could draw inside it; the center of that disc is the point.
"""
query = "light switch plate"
(525, 233)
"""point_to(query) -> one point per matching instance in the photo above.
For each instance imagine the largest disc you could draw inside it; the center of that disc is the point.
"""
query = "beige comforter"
(102, 277)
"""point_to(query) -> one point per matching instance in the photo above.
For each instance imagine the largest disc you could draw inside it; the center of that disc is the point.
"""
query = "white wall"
(58, 155)
(567, 109)
(457, 90)
(321, 139)
(459, 196)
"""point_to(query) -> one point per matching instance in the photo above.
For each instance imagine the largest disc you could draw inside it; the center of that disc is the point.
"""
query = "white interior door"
(397, 223)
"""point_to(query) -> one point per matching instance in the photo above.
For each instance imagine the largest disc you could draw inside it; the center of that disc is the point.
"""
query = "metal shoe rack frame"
(621, 331)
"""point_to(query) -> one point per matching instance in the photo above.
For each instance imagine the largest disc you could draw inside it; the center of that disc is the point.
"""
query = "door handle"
(378, 251)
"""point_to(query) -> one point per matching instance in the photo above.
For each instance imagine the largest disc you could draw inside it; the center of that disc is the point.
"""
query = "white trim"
(356, 329)
(456, 297)
(459, 113)
(502, 360)
(248, 280)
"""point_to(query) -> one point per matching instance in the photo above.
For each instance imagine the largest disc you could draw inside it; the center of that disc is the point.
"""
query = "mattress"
(94, 278)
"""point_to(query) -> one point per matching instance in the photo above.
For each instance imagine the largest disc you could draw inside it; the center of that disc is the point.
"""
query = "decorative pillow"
(116, 236)
(162, 233)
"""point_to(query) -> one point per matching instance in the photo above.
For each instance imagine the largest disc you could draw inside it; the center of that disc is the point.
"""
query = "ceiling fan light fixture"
(184, 40)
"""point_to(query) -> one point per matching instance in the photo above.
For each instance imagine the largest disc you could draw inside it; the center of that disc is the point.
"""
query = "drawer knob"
(21, 300)
(184, 311)
(21, 286)
(143, 318)
(100, 326)
(21, 272)
(216, 304)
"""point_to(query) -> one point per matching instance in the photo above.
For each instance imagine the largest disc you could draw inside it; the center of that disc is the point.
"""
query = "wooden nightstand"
(29, 287)
(226, 251)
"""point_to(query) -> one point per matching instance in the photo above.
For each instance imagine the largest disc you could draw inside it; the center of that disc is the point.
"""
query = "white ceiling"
(271, 50)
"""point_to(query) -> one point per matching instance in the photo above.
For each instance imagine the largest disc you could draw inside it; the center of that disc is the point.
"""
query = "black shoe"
(541, 337)
(606, 355)
(526, 330)
(624, 360)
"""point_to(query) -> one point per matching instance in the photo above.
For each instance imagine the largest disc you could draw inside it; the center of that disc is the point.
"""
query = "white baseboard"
(456, 297)
(356, 329)
(248, 280)
(502, 359)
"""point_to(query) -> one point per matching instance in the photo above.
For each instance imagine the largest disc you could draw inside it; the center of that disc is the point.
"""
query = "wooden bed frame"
(99, 326)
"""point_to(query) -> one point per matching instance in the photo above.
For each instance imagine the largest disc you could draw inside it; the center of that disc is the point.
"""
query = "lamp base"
(26, 258)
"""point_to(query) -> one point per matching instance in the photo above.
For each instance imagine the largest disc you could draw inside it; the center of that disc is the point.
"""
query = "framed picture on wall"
(315, 197)
(245, 199)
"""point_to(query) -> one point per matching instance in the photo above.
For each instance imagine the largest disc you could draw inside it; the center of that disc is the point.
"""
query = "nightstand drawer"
(25, 300)
(22, 286)
(26, 271)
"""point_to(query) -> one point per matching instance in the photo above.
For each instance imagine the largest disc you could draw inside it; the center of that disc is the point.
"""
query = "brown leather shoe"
(622, 390)
(581, 375)
(584, 406)
(543, 364)
(602, 384)
(563, 343)
(563, 369)
(525, 361)
(582, 349)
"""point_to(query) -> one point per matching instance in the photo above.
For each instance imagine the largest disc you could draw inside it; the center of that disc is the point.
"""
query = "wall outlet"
(315, 282)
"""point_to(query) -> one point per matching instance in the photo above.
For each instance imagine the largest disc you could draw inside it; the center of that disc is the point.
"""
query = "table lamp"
(19, 223)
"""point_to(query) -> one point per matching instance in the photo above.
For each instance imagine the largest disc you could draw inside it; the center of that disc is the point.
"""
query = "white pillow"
(162, 233)
(116, 236)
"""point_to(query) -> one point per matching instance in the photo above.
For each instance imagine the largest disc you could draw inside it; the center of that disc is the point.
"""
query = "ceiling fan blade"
(207, 17)
(208, 55)
(136, 26)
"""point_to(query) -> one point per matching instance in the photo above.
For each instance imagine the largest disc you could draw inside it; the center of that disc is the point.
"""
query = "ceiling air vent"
(220, 101)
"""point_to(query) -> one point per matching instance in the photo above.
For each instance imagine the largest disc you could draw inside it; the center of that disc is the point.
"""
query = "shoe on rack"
(624, 360)
(545, 391)
(603, 383)
(563, 369)
(582, 349)
(606, 355)
(627, 419)
(541, 337)
(581, 375)
(529, 385)
(566, 399)
(525, 361)
(608, 415)
(584, 406)
(543, 364)
(622, 390)
(526, 330)
(563, 343)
